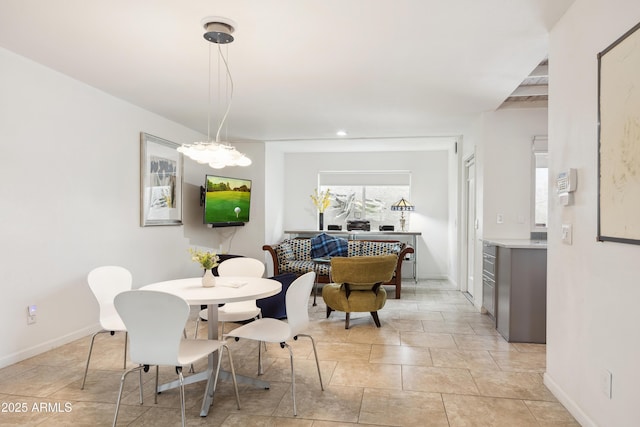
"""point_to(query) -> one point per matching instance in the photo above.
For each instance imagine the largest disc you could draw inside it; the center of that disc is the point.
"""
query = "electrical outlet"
(499, 219)
(606, 379)
(31, 314)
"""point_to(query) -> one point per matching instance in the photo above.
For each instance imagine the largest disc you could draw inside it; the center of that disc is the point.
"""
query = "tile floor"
(434, 362)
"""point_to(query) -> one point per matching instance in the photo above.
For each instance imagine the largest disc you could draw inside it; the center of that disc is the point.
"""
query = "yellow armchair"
(357, 285)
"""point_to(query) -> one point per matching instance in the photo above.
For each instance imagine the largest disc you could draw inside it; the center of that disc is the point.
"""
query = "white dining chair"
(241, 310)
(106, 282)
(278, 331)
(157, 340)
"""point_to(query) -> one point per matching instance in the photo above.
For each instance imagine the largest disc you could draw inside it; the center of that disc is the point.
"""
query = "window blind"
(329, 178)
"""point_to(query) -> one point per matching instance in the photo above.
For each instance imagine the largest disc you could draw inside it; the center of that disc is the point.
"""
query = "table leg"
(415, 259)
(212, 312)
(200, 376)
(315, 288)
(207, 401)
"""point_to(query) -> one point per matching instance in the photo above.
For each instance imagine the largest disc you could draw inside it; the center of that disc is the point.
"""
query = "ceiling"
(302, 69)
(533, 91)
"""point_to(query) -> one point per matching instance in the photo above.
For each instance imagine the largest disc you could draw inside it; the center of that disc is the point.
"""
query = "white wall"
(592, 289)
(70, 202)
(274, 214)
(507, 170)
(503, 176)
(430, 194)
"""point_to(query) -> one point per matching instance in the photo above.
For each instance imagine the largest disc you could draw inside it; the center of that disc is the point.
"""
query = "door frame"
(466, 247)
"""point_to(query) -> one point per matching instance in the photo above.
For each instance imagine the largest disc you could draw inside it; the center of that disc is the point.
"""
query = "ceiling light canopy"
(217, 154)
(219, 29)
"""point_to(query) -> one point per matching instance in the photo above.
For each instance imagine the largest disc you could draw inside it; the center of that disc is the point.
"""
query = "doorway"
(471, 225)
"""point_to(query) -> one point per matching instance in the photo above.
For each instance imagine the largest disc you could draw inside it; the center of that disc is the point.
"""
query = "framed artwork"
(619, 140)
(160, 182)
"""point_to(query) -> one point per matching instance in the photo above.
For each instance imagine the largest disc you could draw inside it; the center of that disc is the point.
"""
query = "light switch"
(567, 234)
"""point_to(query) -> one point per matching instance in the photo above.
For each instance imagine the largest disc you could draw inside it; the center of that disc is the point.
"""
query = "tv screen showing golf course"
(227, 200)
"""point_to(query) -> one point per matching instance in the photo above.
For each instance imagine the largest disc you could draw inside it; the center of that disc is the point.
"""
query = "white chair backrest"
(106, 282)
(297, 302)
(241, 266)
(155, 322)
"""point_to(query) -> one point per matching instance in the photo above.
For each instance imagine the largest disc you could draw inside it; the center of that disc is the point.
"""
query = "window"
(540, 177)
(364, 195)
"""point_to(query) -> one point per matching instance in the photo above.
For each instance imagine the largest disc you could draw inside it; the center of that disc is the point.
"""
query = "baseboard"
(48, 345)
(430, 277)
(567, 402)
(469, 297)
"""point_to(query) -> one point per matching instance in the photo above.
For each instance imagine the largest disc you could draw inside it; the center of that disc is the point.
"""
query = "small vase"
(321, 221)
(208, 280)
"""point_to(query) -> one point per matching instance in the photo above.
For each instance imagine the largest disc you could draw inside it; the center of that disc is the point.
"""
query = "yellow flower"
(321, 200)
(207, 260)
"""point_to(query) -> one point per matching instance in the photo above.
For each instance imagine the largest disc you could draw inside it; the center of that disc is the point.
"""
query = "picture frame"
(619, 140)
(161, 176)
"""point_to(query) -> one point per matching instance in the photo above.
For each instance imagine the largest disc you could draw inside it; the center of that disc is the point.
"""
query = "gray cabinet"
(521, 291)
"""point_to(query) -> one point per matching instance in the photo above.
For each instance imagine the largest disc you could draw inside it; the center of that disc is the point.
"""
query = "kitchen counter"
(517, 243)
(514, 281)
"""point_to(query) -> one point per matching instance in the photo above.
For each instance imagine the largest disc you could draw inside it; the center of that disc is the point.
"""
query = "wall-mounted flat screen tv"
(227, 201)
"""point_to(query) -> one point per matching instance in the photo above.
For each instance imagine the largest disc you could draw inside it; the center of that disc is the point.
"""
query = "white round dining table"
(227, 289)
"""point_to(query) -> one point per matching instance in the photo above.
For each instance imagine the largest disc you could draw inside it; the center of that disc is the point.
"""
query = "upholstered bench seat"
(301, 267)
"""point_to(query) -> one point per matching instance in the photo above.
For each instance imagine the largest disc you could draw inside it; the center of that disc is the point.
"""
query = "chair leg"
(346, 321)
(86, 369)
(374, 314)
(140, 384)
(184, 334)
(124, 376)
(313, 343)
(195, 334)
(126, 340)
(329, 310)
(264, 343)
(293, 381)
(155, 394)
(260, 367)
(181, 379)
(233, 373)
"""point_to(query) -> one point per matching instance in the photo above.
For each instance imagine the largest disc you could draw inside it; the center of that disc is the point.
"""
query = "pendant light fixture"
(217, 154)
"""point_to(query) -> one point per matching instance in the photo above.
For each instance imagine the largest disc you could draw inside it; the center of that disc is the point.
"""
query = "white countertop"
(518, 243)
(355, 232)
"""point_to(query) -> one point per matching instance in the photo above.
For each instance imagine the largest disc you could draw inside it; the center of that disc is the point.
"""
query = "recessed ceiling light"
(341, 133)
